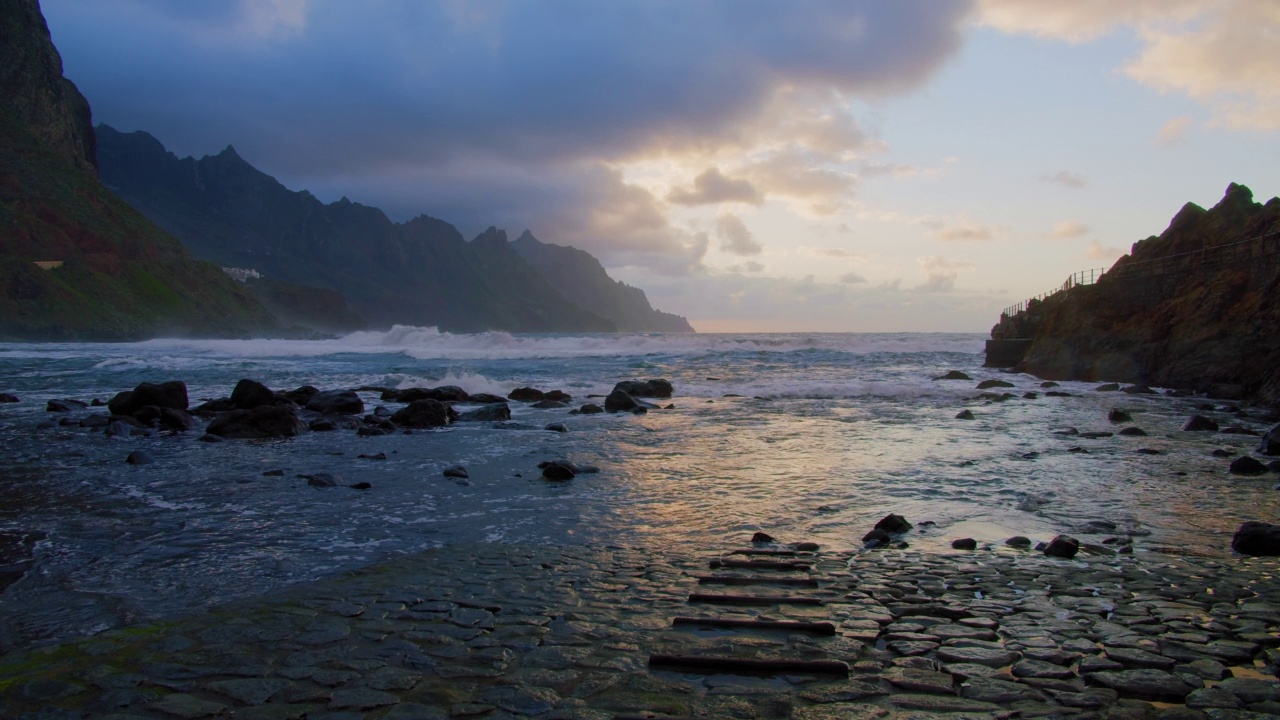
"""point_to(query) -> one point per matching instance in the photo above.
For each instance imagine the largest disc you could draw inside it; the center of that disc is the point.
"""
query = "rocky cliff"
(580, 277)
(1195, 307)
(47, 104)
(108, 272)
(423, 272)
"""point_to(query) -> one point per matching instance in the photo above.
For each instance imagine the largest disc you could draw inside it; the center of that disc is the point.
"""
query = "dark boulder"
(557, 427)
(1030, 396)
(64, 405)
(557, 396)
(1222, 453)
(449, 393)
(139, 457)
(116, 427)
(761, 537)
(166, 418)
(893, 524)
(1270, 444)
(876, 537)
(1257, 538)
(525, 394)
(1108, 387)
(1063, 546)
(590, 409)
(965, 544)
(1133, 431)
(964, 415)
(423, 413)
(486, 399)
(1048, 384)
(336, 402)
(986, 384)
(323, 425)
(1018, 541)
(456, 471)
(1118, 416)
(213, 407)
(620, 401)
(361, 485)
(300, 396)
(1138, 390)
(249, 394)
(8, 398)
(655, 388)
(545, 404)
(953, 375)
(172, 394)
(322, 479)
(1200, 423)
(487, 413)
(1245, 465)
(444, 393)
(558, 470)
(265, 421)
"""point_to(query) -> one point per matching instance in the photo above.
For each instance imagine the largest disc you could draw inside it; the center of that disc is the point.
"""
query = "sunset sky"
(755, 166)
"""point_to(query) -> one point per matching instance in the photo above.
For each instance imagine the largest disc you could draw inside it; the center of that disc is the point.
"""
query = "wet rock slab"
(496, 631)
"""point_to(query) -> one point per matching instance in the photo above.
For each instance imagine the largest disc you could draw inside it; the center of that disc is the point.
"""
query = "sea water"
(808, 437)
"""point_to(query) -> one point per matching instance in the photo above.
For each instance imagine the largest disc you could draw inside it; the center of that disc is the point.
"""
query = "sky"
(809, 165)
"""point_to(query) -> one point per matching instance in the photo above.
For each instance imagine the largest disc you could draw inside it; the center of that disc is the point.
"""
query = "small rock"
(1134, 431)
(1107, 387)
(8, 398)
(139, 457)
(323, 479)
(964, 415)
(1048, 384)
(893, 524)
(375, 456)
(590, 409)
(1118, 416)
(1018, 541)
(987, 384)
(558, 470)
(761, 537)
(361, 486)
(953, 375)
(456, 471)
(557, 427)
(965, 544)
(1145, 684)
(1246, 465)
(1257, 538)
(1200, 423)
(1063, 546)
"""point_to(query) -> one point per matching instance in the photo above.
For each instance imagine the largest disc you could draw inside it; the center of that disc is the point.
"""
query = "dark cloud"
(735, 238)
(479, 112)
(712, 187)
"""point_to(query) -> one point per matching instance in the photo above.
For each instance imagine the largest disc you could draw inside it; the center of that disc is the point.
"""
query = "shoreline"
(567, 631)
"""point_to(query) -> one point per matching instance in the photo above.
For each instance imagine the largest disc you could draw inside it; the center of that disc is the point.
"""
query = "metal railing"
(1209, 258)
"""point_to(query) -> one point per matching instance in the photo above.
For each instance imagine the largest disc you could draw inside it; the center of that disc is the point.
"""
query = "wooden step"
(817, 628)
(758, 564)
(756, 580)
(758, 600)
(708, 664)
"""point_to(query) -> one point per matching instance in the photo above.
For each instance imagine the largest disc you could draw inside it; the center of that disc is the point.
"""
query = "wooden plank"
(756, 580)
(817, 628)
(753, 599)
(758, 564)
(708, 664)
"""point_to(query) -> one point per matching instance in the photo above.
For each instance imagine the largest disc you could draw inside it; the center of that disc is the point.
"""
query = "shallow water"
(825, 434)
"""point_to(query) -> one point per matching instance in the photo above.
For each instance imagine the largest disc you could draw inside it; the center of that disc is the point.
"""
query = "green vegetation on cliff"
(121, 277)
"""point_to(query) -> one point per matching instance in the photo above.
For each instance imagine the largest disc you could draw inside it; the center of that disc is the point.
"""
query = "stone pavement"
(498, 631)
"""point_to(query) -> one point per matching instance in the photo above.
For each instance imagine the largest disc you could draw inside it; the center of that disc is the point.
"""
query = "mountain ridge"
(421, 272)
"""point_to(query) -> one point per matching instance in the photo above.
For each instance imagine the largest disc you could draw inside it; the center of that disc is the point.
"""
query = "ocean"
(804, 436)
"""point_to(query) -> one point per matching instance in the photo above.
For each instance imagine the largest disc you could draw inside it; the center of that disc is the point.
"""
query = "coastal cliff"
(1194, 308)
(76, 262)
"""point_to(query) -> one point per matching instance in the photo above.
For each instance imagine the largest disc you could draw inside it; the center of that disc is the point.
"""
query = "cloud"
(963, 229)
(1069, 229)
(711, 187)
(1220, 53)
(941, 274)
(735, 238)
(1066, 179)
(1173, 132)
(508, 112)
(836, 253)
(852, 278)
(1098, 251)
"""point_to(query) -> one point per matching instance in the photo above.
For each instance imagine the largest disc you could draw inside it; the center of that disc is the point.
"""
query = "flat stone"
(976, 655)
(1135, 658)
(838, 712)
(964, 671)
(525, 700)
(1053, 656)
(415, 711)
(1040, 669)
(333, 678)
(1209, 669)
(909, 648)
(948, 632)
(1147, 684)
(843, 692)
(275, 711)
(188, 706)
(388, 678)
(917, 680)
(253, 691)
(941, 703)
(1213, 697)
(361, 699)
(998, 691)
(1251, 690)
(1097, 663)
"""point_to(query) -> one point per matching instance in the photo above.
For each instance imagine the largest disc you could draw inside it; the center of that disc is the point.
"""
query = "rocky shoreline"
(502, 631)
